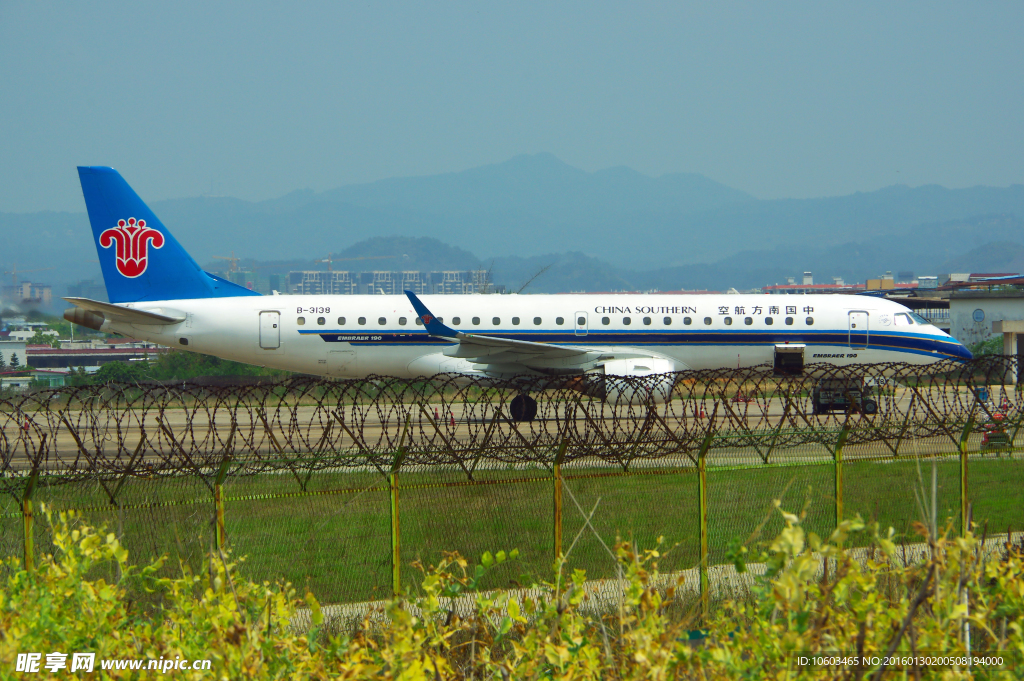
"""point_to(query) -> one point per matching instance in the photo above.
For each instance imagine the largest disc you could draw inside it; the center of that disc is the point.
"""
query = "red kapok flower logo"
(132, 239)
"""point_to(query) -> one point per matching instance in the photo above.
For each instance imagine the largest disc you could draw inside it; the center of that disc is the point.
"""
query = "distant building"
(388, 282)
(92, 354)
(973, 311)
(813, 288)
(28, 294)
(243, 278)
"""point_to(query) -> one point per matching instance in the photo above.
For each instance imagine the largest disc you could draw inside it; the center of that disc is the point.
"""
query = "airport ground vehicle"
(844, 394)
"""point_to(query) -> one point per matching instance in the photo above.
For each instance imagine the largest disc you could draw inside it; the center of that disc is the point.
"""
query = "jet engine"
(641, 380)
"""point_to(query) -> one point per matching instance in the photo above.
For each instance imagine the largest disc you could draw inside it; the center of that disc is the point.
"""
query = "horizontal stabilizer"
(115, 313)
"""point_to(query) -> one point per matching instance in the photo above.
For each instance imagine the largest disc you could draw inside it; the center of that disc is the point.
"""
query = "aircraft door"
(582, 323)
(858, 329)
(270, 330)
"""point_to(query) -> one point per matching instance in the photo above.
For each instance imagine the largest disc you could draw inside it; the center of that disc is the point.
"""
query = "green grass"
(335, 537)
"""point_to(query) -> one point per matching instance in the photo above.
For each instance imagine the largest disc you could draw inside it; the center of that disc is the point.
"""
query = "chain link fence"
(341, 486)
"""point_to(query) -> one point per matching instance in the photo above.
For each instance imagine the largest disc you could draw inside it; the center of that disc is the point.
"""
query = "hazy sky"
(256, 99)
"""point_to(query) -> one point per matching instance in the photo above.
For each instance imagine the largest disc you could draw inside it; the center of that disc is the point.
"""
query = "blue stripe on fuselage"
(913, 343)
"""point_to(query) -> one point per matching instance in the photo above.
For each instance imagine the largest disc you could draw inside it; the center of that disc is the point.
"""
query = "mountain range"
(610, 229)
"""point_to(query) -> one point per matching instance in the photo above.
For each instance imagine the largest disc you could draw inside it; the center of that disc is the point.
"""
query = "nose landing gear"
(523, 408)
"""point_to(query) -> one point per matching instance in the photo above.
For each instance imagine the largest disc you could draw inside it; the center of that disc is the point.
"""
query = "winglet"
(434, 327)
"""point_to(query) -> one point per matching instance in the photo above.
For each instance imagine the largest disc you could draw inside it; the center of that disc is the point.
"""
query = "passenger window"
(728, 321)
(581, 321)
(476, 321)
(707, 321)
(902, 320)
(810, 321)
(687, 321)
(419, 322)
(362, 321)
(456, 321)
(402, 321)
(341, 321)
(536, 321)
(320, 321)
(605, 321)
(768, 321)
(559, 320)
(789, 321)
(382, 321)
(496, 321)
(515, 321)
(668, 321)
(748, 321)
(626, 321)
(647, 321)
(301, 321)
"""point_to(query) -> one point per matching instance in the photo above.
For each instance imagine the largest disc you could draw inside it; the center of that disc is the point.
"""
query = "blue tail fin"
(140, 259)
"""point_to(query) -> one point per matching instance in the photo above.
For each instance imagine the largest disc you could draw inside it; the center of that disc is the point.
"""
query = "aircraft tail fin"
(140, 259)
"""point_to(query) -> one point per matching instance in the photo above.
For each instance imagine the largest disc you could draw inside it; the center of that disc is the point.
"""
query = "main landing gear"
(523, 408)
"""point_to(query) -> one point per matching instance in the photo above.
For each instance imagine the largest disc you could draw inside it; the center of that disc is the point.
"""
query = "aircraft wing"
(117, 313)
(495, 349)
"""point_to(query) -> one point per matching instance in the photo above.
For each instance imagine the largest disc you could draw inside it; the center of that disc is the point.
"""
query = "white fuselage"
(355, 336)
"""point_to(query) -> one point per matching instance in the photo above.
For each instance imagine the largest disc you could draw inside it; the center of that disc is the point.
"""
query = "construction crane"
(330, 261)
(14, 271)
(232, 259)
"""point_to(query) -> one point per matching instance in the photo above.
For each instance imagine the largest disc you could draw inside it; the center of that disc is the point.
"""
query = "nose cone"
(960, 352)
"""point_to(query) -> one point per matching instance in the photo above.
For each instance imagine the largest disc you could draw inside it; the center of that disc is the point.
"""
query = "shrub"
(867, 604)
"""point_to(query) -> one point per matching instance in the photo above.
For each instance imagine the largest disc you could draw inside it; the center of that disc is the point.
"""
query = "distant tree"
(40, 337)
(992, 346)
(78, 377)
(15, 362)
(122, 372)
(3, 362)
(184, 365)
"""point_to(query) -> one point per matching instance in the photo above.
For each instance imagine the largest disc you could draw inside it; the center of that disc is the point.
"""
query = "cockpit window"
(902, 319)
(918, 318)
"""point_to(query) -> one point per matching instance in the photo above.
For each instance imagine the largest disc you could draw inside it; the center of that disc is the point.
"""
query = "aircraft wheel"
(531, 409)
(870, 407)
(523, 408)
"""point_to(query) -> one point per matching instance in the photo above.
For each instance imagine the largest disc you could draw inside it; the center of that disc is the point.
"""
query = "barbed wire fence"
(339, 484)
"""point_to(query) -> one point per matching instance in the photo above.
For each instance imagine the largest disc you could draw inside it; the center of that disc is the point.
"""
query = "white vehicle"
(159, 293)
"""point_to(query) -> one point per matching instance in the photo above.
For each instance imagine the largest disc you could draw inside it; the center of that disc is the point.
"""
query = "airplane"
(159, 293)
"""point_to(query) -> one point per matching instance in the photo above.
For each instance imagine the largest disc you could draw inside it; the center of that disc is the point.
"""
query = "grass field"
(335, 537)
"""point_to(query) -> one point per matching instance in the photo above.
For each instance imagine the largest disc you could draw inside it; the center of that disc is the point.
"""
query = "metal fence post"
(702, 495)
(964, 519)
(558, 497)
(27, 518)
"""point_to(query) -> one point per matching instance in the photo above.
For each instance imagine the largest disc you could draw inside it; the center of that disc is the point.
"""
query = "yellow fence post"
(837, 457)
(396, 554)
(27, 518)
(558, 497)
(702, 495)
(964, 435)
(218, 503)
